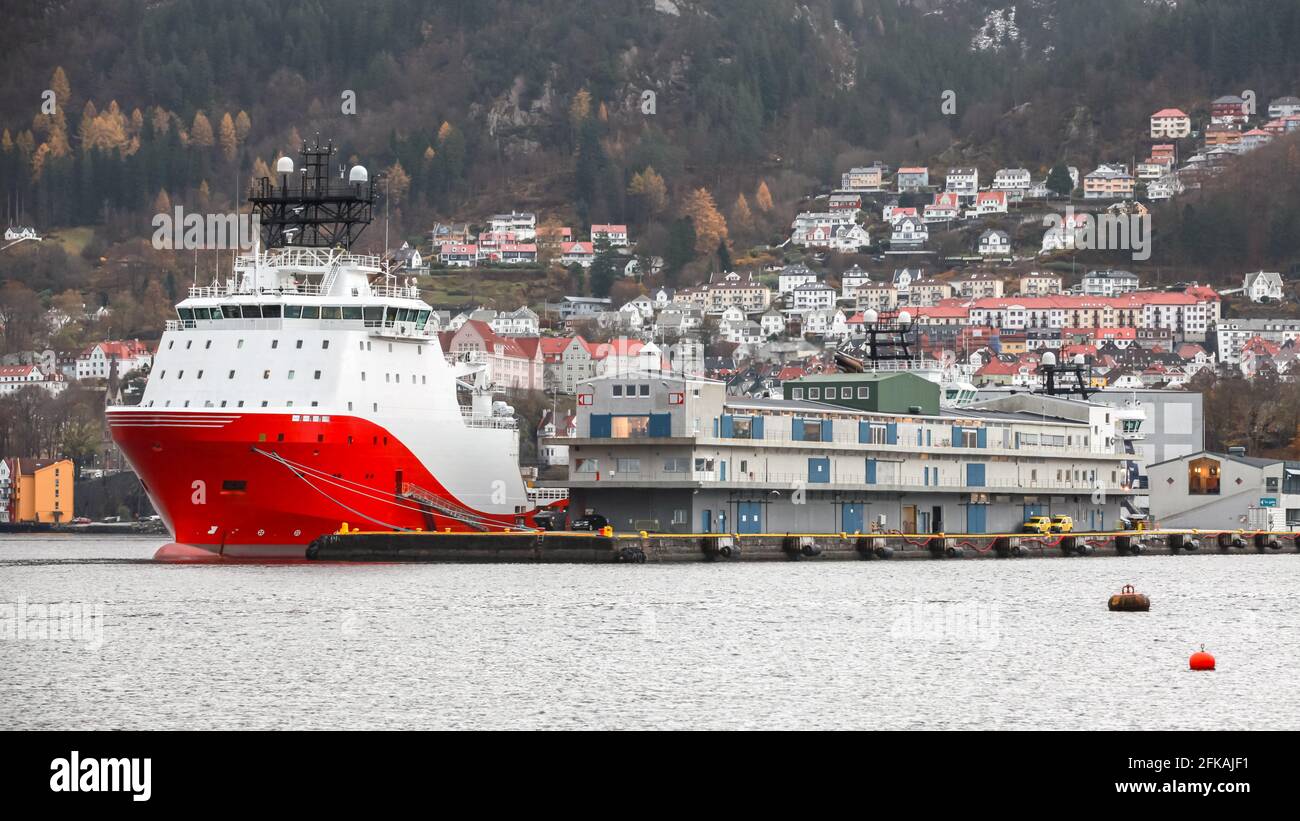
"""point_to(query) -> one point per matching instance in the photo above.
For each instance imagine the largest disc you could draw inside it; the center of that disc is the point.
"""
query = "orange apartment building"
(41, 490)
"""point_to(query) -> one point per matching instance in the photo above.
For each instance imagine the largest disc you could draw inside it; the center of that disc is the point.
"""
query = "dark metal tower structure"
(307, 208)
(1067, 380)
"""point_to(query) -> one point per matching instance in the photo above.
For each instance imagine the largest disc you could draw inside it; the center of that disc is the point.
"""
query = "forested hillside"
(480, 105)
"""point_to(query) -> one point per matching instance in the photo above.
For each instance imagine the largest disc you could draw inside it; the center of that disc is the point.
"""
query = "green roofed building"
(879, 392)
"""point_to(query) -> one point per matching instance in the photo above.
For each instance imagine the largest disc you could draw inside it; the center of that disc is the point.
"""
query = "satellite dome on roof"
(1078, 359)
(284, 165)
(904, 318)
(1049, 358)
(358, 174)
(871, 316)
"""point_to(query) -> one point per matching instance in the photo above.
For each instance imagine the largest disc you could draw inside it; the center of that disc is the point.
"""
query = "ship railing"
(476, 420)
(467, 357)
(394, 329)
(322, 258)
(545, 495)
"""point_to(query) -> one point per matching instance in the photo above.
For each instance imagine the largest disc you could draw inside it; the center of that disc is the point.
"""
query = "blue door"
(1035, 510)
(749, 517)
(819, 470)
(722, 521)
(975, 475)
(706, 521)
(851, 519)
(723, 466)
(977, 518)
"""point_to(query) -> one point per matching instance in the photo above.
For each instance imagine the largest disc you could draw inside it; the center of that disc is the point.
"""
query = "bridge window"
(299, 345)
(275, 343)
(352, 312)
(291, 374)
(293, 312)
(324, 344)
(318, 374)
(311, 312)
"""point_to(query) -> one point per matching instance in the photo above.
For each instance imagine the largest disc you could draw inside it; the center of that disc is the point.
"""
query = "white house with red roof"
(991, 202)
(946, 206)
(96, 361)
(577, 252)
(613, 235)
(458, 255)
(14, 378)
(1170, 123)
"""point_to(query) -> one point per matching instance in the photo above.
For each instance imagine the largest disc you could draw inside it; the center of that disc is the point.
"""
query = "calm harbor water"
(1014, 644)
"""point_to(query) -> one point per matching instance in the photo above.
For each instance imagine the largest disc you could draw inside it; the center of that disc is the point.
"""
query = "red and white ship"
(309, 391)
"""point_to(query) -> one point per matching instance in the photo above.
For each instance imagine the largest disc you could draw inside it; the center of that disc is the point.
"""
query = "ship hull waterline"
(260, 487)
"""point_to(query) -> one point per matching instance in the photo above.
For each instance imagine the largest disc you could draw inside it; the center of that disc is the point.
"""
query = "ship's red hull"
(262, 486)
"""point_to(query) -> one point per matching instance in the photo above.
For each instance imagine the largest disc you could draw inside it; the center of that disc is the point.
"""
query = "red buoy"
(1202, 660)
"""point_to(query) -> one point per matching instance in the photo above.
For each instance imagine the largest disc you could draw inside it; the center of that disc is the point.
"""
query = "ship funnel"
(358, 174)
(284, 165)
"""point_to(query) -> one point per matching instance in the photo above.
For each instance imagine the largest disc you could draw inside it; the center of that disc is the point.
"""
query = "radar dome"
(904, 318)
(870, 316)
(284, 165)
(358, 174)
(1078, 359)
(1049, 358)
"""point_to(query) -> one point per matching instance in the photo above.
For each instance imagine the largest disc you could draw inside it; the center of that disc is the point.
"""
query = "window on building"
(1203, 477)
(703, 465)
(629, 427)
(864, 393)
(796, 393)
(814, 393)
(588, 466)
(675, 464)
(629, 465)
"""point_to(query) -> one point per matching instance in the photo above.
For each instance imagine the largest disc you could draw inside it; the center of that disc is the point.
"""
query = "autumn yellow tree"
(201, 131)
(710, 227)
(88, 115)
(243, 125)
(741, 216)
(229, 142)
(580, 108)
(650, 186)
(398, 182)
(61, 87)
(162, 204)
(763, 197)
(444, 131)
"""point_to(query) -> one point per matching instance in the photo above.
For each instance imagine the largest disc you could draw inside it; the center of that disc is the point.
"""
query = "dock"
(639, 548)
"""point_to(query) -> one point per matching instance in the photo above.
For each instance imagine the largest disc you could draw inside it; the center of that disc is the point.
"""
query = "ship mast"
(308, 209)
